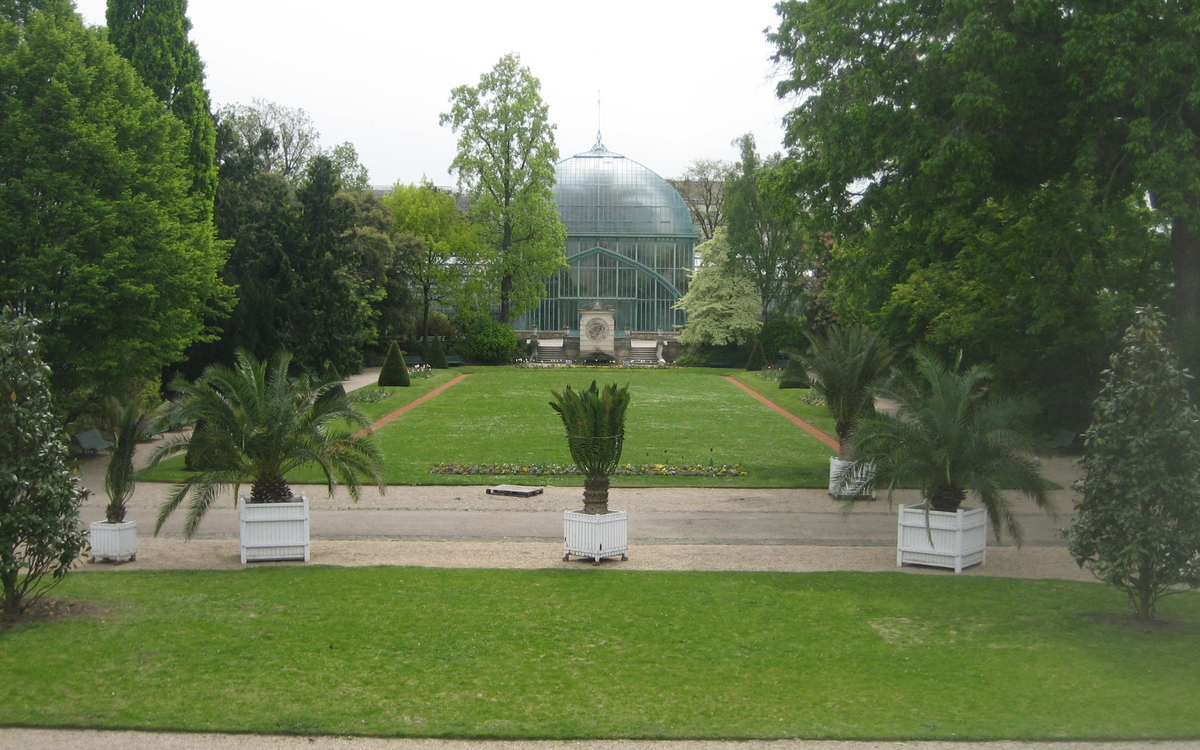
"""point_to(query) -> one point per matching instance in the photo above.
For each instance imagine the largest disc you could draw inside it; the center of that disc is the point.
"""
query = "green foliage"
(435, 356)
(770, 242)
(153, 36)
(721, 303)
(595, 424)
(843, 366)
(961, 219)
(950, 436)
(489, 342)
(126, 422)
(794, 375)
(505, 164)
(756, 361)
(394, 373)
(40, 534)
(1138, 527)
(781, 335)
(99, 237)
(255, 423)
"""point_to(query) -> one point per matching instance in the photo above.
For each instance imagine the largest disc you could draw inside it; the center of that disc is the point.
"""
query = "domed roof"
(602, 193)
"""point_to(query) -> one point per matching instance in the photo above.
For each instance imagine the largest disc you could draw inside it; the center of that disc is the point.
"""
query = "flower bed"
(624, 470)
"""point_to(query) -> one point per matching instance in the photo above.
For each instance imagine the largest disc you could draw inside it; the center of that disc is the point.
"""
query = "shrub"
(779, 333)
(489, 342)
(394, 373)
(794, 375)
(435, 357)
(756, 361)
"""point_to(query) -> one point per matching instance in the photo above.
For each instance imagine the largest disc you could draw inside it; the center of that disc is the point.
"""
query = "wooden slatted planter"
(274, 531)
(114, 541)
(596, 535)
(952, 540)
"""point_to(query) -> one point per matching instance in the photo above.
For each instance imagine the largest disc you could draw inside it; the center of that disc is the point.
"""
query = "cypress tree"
(394, 373)
(757, 361)
(435, 356)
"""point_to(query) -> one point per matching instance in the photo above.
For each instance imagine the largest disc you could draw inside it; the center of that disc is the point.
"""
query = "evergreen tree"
(794, 375)
(756, 361)
(435, 355)
(394, 373)
(1138, 527)
(40, 533)
(99, 237)
(153, 36)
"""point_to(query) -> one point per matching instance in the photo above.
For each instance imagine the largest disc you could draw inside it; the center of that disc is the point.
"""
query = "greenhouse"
(630, 247)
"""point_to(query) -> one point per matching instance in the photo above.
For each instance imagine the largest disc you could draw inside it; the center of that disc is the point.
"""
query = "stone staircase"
(642, 357)
(550, 355)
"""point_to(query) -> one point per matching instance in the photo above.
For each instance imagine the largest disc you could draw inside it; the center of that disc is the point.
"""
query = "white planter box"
(274, 531)
(596, 536)
(842, 487)
(959, 539)
(114, 541)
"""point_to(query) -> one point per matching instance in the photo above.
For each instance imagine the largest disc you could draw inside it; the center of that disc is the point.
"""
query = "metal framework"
(630, 244)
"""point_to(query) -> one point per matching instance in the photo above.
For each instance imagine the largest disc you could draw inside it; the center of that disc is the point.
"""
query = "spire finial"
(599, 140)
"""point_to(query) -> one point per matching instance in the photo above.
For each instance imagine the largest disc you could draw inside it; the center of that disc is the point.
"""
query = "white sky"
(678, 79)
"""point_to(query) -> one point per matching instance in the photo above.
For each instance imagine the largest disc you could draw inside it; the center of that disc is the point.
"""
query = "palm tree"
(125, 422)
(595, 423)
(255, 423)
(842, 367)
(951, 437)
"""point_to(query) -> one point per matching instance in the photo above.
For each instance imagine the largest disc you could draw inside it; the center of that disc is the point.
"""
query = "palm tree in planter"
(114, 538)
(951, 437)
(842, 367)
(255, 423)
(595, 424)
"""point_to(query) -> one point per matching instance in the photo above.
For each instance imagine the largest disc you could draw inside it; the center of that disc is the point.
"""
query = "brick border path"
(818, 434)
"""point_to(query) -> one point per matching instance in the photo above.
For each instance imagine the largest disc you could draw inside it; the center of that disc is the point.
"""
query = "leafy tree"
(505, 165)
(99, 236)
(40, 533)
(984, 166)
(844, 366)
(394, 373)
(351, 172)
(595, 424)
(295, 137)
(721, 303)
(952, 436)
(255, 422)
(489, 342)
(153, 36)
(756, 361)
(450, 249)
(702, 186)
(769, 240)
(1138, 526)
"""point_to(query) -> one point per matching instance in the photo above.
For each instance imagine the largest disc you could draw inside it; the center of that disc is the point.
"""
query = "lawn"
(502, 415)
(603, 654)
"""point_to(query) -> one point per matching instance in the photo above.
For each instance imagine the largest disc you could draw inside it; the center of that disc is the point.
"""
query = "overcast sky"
(677, 79)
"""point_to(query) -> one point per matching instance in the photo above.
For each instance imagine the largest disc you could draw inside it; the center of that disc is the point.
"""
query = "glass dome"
(599, 192)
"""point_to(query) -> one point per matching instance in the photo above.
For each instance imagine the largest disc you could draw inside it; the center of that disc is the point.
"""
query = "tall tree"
(505, 164)
(1138, 527)
(40, 533)
(153, 36)
(769, 239)
(295, 137)
(353, 174)
(702, 186)
(985, 164)
(721, 302)
(450, 245)
(99, 237)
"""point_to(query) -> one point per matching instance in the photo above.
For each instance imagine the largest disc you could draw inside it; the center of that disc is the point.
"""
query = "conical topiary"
(794, 375)
(757, 361)
(394, 373)
(435, 357)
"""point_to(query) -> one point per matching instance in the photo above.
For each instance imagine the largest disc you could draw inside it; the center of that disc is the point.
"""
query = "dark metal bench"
(91, 441)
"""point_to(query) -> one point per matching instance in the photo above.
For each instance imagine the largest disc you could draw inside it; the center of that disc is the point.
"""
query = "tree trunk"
(506, 285)
(1185, 257)
(595, 495)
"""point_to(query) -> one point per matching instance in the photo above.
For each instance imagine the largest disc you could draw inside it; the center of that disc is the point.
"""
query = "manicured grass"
(502, 415)
(817, 416)
(604, 654)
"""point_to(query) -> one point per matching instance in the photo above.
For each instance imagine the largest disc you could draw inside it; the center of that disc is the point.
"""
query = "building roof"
(602, 193)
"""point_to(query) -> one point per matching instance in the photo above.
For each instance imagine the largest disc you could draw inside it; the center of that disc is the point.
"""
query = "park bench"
(454, 361)
(411, 360)
(91, 441)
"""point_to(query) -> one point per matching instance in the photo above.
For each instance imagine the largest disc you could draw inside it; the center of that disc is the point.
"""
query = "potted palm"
(114, 538)
(842, 366)
(950, 438)
(595, 424)
(255, 423)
